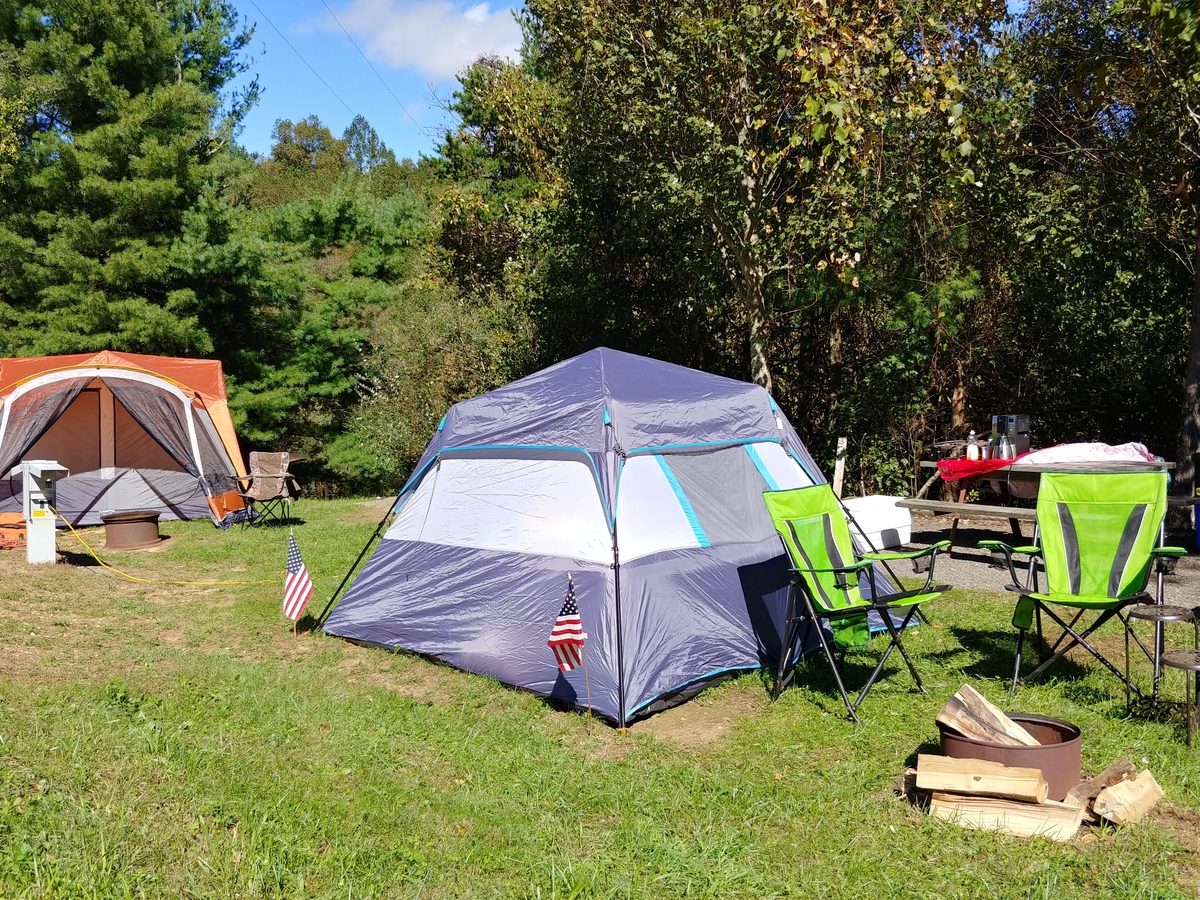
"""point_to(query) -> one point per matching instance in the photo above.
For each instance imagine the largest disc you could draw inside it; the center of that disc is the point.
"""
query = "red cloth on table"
(954, 469)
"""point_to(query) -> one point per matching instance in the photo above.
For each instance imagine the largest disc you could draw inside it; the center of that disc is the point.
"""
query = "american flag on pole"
(297, 586)
(567, 635)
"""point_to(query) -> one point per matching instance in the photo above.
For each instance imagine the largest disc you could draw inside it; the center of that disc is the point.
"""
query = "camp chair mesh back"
(813, 528)
(271, 486)
(1097, 531)
(827, 581)
(1098, 535)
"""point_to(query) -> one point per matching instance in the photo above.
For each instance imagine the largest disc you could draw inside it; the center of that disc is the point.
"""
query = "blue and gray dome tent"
(642, 478)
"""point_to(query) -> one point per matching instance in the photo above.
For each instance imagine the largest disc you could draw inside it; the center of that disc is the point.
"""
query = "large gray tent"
(644, 480)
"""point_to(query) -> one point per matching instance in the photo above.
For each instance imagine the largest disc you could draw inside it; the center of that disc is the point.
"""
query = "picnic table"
(1018, 471)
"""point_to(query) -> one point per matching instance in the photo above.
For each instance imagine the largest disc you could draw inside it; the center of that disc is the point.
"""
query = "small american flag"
(297, 586)
(567, 635)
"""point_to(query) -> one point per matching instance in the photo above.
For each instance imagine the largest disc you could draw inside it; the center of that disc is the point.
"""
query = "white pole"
(839, 466)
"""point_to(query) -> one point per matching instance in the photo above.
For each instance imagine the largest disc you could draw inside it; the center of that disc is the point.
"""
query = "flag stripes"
(297, 586)
(567, 636)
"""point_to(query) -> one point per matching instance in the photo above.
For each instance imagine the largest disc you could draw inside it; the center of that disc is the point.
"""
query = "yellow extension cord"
(140, 580)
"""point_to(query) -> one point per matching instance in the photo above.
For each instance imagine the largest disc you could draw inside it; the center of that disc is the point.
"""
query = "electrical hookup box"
(39, 480)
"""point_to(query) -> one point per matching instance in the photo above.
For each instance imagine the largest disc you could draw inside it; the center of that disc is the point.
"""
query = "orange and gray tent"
(136, 432)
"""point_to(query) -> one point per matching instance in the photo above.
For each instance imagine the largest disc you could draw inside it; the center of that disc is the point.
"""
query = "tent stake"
(354, 565)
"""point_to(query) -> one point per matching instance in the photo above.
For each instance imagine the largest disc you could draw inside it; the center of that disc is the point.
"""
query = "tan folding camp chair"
(270, 489)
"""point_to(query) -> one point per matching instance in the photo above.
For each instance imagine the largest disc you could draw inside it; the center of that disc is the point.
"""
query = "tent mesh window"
(725, 492)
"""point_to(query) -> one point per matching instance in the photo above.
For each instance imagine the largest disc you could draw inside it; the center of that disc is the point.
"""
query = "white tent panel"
(413, 509)
(548, 507)
(783, 470)
(649, 516)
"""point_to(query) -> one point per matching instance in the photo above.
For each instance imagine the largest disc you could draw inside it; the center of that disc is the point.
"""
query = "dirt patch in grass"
(702, 722)
(18, 661)
(414, 678)
(39, 615)
(597, 739)
(172, 595)
(64, 624)
(1184, 826)
(368, 511)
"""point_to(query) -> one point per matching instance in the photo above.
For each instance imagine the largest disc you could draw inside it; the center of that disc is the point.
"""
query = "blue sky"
(416, 46)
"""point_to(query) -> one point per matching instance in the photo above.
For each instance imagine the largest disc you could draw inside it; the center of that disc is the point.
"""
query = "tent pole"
(616, 459)
(620, 632)
(367, 546)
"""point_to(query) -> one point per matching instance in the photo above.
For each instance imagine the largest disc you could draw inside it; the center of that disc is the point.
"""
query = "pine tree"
(122, 110)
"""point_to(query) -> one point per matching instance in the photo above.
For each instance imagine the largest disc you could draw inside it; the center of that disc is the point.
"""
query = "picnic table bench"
(1015, 514)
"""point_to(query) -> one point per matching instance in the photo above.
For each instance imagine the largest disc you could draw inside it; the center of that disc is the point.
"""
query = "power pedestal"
(39, 478)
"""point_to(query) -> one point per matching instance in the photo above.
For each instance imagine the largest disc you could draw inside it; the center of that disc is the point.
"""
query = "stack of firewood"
(978, 793)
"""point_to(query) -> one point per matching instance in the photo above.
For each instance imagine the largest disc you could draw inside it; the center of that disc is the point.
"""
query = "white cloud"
(438, 38)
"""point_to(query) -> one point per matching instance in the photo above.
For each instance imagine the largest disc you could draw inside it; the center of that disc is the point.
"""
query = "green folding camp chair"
(1097, 537)
(825, 587)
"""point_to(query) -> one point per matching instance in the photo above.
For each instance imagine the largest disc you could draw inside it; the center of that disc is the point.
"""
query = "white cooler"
(881, 523)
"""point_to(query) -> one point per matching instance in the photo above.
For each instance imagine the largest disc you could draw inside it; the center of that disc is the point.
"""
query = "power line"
(386, 86)
(303, 60)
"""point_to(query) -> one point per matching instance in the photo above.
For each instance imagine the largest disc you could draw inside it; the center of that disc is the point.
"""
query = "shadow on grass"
(307, 624)
(813, 673)
(82, 560)
(906, 787)
(995, 652)
(923, 747)
(275, 523)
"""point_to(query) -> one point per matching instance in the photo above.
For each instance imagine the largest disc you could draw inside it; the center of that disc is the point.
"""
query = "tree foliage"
(904, 216)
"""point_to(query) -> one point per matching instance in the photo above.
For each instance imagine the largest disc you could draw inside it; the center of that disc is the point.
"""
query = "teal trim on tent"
(684, 503)
(679, 687)
(704, 444)
(762, 467)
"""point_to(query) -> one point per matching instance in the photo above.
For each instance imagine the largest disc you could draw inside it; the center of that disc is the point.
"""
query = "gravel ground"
(969, 567)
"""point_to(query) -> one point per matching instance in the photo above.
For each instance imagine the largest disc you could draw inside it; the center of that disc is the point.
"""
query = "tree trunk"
(1189, 433)
(958, 397)
(756, 311)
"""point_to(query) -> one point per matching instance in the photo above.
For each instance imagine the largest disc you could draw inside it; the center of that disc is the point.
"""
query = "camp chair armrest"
(846, 612)
(1172, 552)
(931, 551)
(856, 567)
(906, 554)
(1008, 550)
(1164, 558)
(842, 583)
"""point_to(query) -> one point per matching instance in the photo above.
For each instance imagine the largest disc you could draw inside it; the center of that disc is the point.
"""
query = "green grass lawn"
(177, 740)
